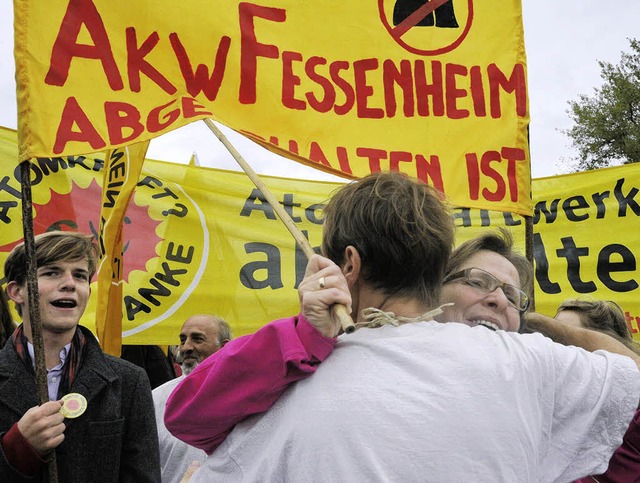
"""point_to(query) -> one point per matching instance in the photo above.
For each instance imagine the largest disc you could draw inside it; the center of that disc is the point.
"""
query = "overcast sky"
(564, 40)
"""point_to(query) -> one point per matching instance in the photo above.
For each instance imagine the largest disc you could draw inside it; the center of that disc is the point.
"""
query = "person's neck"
(401, 306)
(53, 344)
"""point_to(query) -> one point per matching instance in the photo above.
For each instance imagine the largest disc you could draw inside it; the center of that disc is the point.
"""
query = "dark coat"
(115, 440)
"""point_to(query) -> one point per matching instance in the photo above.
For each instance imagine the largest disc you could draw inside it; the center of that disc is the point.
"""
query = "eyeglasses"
(485, 282)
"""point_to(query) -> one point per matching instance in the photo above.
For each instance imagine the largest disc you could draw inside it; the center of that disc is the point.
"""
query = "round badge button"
(74, 405)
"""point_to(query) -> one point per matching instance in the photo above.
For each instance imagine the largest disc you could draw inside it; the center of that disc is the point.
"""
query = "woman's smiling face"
(474, 306)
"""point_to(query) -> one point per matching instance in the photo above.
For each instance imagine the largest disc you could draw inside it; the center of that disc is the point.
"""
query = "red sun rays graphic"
(79, 210)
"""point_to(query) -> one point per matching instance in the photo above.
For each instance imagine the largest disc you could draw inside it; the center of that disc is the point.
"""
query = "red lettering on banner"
(427, 168)
(515, 83)
(136, 62)
(349, 94)
(316, 154)
(329, 93)
(73, 115)
(403, 78)
(364, 90)
(474, 170)
(290, 81)
(424, 89)
(66, 46)
(430, 171)
(343, 159)
(477, 91)
(486, 169)
(199, 81)
(513, 155)
(397, 157)
(154, 124)
(374, 155)
(251, 49)
(120, 115)
(450, 90)
(473, 175)
(453, 92)
(293, 147)
(191, 108)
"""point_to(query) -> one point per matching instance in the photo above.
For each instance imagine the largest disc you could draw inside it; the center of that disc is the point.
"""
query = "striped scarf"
(71, 365)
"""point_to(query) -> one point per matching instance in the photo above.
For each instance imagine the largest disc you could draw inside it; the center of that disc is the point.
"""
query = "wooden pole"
(528, 233)
(34, 302)
(339, 311)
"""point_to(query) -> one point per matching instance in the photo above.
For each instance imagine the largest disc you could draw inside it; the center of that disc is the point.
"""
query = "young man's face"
(63, 288)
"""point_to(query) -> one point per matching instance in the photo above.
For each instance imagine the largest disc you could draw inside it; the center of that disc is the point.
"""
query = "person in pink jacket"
(250, 375)
(256, 369)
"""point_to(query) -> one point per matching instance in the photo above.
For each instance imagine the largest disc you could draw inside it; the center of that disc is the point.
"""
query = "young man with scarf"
(115, 439)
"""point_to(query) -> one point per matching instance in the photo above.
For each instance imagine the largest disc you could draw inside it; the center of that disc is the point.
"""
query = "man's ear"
(351, 265)
(223, 342)
(16, 292)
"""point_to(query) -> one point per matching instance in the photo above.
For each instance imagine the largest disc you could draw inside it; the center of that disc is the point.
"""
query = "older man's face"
(199, 339)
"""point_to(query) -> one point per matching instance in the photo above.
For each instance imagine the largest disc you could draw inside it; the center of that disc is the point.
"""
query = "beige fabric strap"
(377, 318)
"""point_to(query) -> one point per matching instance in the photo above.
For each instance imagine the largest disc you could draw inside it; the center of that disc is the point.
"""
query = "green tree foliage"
(606, 127)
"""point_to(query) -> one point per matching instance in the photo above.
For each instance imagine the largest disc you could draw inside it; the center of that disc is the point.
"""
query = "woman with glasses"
(476, 270)
(481, 266)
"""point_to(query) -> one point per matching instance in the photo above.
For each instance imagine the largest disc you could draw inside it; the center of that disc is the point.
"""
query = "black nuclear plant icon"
(443, 16)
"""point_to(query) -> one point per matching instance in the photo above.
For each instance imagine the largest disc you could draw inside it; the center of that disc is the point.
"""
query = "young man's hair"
(500, 242)
(603, 316)
(50, 248)
(401, 228)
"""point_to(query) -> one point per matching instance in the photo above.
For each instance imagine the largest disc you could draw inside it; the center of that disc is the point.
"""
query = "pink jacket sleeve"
(624, 465)
(244, 378)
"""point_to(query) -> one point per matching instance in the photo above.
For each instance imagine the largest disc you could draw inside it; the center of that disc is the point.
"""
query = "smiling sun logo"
(165, 237)
(79, 210)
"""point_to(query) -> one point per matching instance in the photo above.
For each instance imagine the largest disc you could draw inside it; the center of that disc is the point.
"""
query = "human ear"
(15, 292)
(351, 265)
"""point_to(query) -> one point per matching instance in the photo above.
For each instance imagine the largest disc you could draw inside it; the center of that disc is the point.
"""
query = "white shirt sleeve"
(596, 395)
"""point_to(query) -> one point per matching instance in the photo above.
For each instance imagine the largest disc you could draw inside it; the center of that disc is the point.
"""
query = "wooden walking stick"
(34, 302)
(339, 310)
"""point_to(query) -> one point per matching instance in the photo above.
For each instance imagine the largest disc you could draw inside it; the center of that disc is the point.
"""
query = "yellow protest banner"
(204, 240)
(586, 238)
(436, 90)
(195, 240)
(121, 173)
